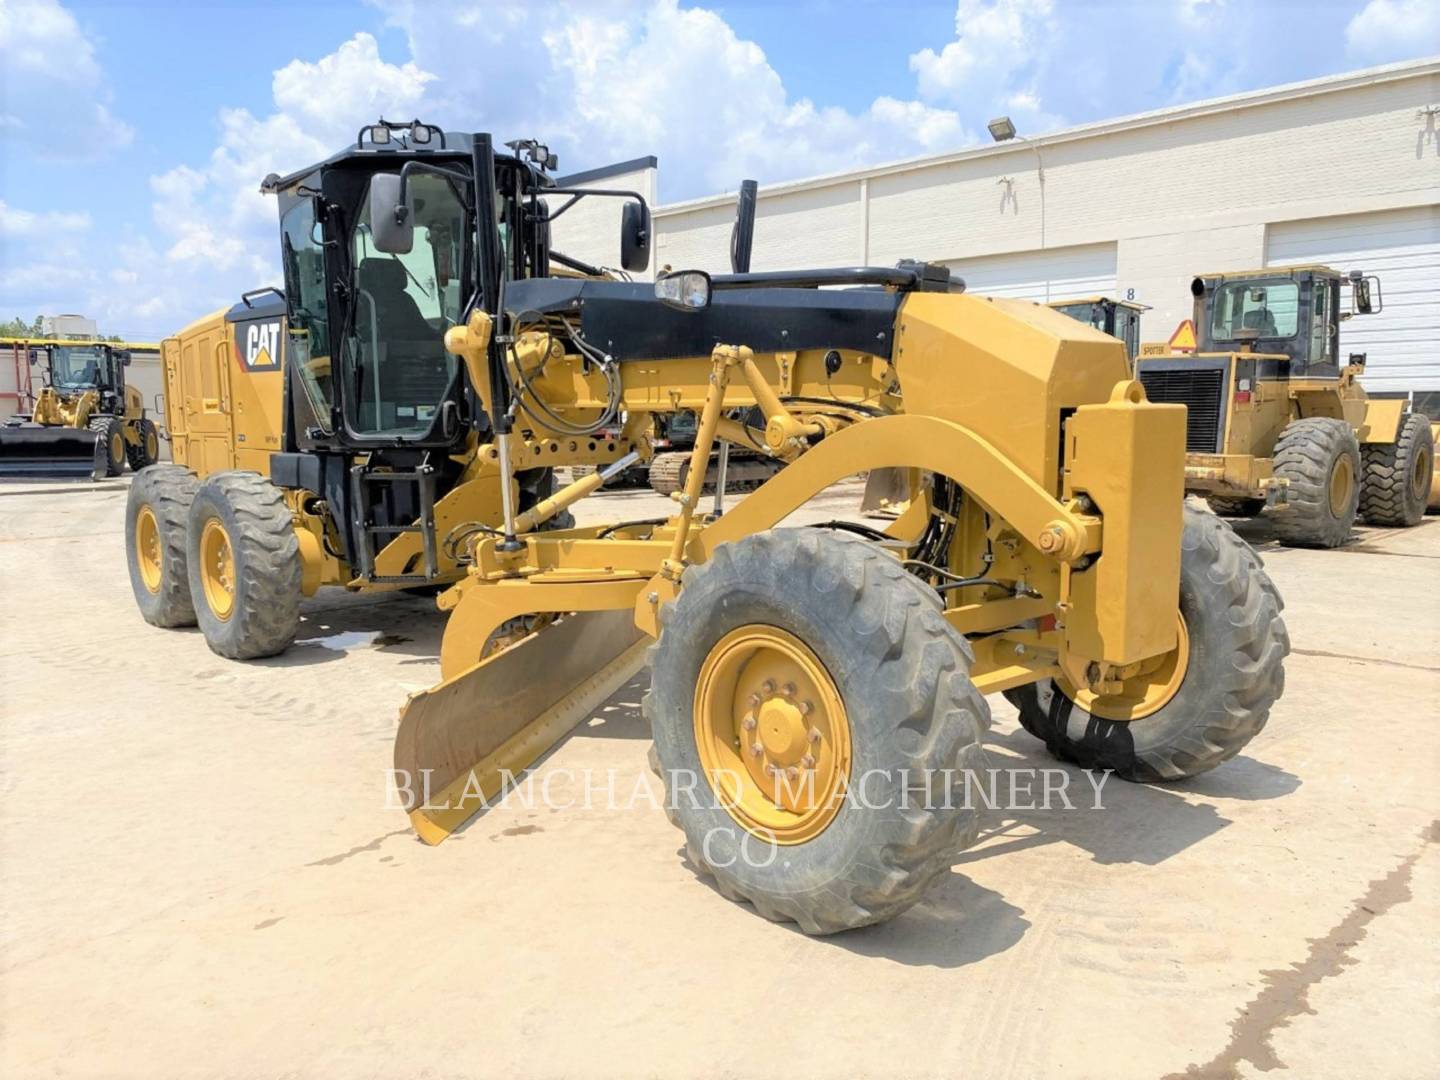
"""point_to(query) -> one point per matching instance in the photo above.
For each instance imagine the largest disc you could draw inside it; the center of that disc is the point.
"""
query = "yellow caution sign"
(1183, 339)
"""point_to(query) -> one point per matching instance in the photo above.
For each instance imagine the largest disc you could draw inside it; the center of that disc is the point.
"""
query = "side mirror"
(684, 290)
(125, 358)
(635, 237)
(392, 222)
(1360, 290)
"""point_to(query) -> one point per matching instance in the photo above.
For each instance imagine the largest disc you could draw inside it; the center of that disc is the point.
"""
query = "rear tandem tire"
(1237, 647)
(909, 712)
(156, 512)
(1320, 458)
(1396, 483)
(244, 566)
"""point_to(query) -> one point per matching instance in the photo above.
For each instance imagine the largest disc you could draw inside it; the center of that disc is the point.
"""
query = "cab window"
(1269, 307)
(303, 252)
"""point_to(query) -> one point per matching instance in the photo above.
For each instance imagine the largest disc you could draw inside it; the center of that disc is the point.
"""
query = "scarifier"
(816, 694)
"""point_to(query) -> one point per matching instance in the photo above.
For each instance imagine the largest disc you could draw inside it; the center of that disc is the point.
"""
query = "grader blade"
(887, 493)
(458, 740)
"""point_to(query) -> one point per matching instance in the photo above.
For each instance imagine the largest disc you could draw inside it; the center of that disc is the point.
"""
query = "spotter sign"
(1183, 339)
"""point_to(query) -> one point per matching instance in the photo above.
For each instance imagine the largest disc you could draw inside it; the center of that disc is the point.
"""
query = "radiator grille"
(1202, 392)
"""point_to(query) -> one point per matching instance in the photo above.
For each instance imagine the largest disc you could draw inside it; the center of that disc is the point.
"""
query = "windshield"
(397, 370)
(1271, 307)
(1091, 313)
(77, 367)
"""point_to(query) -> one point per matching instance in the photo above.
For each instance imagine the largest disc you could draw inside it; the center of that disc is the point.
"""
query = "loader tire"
(860, 651)
(1236, 508)
(146, 451)
(156, 512)
(110, 431)
(1234, 673)
(1320, 458)
(1395, 484)
(244, 565)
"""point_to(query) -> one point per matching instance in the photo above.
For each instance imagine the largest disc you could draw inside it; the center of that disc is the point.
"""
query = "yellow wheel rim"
(152, 444)
(772, 733)
(147, 549)
(1145, 692)
(1342, 482)
(117, 446)
(217, 569)
(1419, 474)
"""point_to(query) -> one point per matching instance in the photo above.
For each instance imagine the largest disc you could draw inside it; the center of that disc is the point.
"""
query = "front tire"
(156, 512)
(244, 566)
(880, 676)
(110, 432)
(1396, 483)
(1320, 459)
(1234, 673)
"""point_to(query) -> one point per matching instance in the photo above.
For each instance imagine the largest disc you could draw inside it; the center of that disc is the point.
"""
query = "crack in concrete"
(1363, 659)
(1287, 990)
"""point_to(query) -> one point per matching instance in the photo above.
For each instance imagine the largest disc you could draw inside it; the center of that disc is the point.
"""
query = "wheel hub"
(1145, 690)
(772, 734)
(147, 548)
(217, 569)
(1341, 482)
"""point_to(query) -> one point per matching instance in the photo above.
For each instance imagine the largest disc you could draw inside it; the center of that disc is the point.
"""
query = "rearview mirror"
(1360, 290)
(684, 290)
(124, 358)
(392, 222)
(635, 237)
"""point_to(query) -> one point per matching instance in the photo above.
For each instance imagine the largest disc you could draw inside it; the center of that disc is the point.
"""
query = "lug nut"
(814, 734)
(767, 687)
(756, 749)
(807, 761)
(806, 708)
(748, 723)
(754, 701)
(788, 690)
(791, 773)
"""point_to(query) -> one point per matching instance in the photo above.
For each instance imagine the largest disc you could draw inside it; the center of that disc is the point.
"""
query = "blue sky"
(133, 135)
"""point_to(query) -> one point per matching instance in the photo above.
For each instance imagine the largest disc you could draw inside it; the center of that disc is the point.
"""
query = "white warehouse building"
(1343, 170)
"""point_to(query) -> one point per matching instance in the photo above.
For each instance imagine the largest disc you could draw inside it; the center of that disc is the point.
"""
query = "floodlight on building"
(1001, 129)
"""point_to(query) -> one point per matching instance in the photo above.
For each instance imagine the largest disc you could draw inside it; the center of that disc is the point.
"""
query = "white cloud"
(57, 96)
(17, 222)
(1386, 30)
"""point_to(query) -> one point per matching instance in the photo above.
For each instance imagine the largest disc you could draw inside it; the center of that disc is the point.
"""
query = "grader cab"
(85, 420)
(1118, 318)
(1278, 421)
(816, 694)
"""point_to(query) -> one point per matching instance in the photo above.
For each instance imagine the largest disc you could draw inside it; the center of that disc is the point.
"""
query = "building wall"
(1173, 193)
(590, 230)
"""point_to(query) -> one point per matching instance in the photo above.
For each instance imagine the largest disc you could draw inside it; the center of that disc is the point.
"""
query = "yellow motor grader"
(1278, 422)
(85, 420)
(817, 695)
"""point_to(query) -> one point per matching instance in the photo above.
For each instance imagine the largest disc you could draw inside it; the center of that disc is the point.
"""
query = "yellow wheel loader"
(1278, 422)
(85, 421)
(817, 695)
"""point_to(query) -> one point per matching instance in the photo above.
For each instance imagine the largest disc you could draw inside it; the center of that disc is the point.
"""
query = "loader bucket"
(33, 450)
(458, 740)
(887, 493)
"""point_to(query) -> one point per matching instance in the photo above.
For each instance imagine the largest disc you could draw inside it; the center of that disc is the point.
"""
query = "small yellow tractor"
(85, 419)
(817, 695)
(1278, 421)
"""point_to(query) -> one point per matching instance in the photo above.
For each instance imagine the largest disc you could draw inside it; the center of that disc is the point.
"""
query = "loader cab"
(74, 368)
(1291, 315)
(1118, 318)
